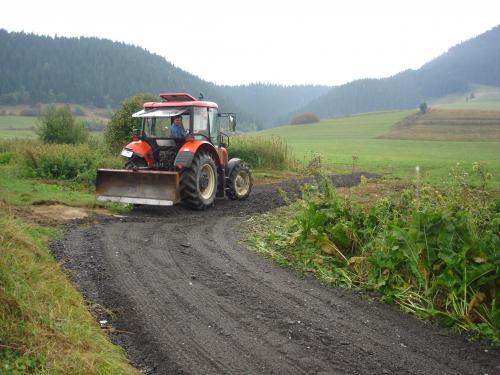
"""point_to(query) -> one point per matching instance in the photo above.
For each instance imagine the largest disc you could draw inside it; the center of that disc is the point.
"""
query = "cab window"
(200, 121)
(214, 123)
(157, 127)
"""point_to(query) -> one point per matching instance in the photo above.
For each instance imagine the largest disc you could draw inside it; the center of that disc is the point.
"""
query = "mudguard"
(142, 149)
(232, 164)
(189, 149)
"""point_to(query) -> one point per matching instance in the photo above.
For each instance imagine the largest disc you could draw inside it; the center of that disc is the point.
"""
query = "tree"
(423, 107)
(121, 125)
(304, 118)
(57, 125)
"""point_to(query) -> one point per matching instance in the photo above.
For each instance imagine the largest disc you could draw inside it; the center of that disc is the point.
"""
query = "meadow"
(17, 126)
(484, 97)
(345, 141)
(13, 124)
(449, 125)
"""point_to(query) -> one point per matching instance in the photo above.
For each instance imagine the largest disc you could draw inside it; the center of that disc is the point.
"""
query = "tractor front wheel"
(240, 182)
(198, 184)
(135, 162)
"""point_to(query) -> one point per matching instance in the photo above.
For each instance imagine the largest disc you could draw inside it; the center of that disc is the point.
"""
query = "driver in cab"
(177, 130)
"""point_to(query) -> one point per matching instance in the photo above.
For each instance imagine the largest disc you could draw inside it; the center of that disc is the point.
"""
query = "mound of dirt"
(58, 213)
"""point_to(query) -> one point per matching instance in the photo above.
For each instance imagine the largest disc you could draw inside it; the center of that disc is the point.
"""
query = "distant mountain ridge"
(476, 61)
(102, 73)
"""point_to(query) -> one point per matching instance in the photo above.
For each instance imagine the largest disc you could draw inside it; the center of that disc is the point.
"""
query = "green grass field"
(17, 122)
(337, 140)
(439, 124)
(17, 127)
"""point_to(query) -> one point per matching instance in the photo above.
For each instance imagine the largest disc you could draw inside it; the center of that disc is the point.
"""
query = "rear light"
(135, 138)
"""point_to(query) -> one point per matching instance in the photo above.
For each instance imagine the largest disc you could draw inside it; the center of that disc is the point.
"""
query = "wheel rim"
(206, 181)
(242, 183)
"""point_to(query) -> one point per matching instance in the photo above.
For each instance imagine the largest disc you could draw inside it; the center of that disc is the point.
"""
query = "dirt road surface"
(190, 298)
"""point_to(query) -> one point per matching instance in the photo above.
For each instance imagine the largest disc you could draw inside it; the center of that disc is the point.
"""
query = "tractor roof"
(179, 100)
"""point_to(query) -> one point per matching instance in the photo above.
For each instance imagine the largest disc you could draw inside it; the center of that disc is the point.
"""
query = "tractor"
(163, 169)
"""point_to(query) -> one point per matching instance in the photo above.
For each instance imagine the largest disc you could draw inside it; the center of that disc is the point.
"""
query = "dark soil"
(189, 298)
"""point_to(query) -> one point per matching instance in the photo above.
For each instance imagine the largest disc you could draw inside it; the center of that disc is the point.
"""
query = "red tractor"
(163, 168)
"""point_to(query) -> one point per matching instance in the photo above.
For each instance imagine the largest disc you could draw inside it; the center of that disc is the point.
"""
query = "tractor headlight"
(126, 153)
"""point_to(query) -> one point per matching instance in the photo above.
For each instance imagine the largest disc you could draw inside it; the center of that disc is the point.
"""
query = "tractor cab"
(199, 122)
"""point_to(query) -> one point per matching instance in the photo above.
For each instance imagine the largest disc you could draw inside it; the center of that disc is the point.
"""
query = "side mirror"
(232, 123)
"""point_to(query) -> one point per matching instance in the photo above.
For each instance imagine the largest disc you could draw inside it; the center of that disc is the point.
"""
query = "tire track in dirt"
(195, 300)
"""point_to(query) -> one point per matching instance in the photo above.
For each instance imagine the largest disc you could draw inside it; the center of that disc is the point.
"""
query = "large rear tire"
(240, 182)
(198, 183)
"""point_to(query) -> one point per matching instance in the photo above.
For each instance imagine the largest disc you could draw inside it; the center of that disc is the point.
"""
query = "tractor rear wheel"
(198, 184)
(240, 182)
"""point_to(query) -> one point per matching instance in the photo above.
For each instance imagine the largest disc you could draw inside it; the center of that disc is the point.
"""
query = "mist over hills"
(476, 61)
(93, 71)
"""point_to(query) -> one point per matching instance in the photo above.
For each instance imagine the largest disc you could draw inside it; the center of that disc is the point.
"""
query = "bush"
(78, 111)
(5, 157)
(57, 125)
(261, 152)
(304, 118)
(67, 162)
(121, 125)
(423, 108)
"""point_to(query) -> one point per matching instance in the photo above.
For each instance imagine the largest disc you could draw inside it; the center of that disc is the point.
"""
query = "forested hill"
(40, 69)
(476, 61)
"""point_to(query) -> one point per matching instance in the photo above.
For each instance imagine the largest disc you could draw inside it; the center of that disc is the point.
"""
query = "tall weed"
(435, 252)
(262, 152)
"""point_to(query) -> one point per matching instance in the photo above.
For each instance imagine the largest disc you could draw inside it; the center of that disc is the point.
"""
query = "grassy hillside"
(479, 97)
(449, 125)
(339, 139)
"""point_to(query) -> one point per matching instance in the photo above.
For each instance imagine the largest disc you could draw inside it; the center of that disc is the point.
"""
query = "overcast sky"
(282, 42)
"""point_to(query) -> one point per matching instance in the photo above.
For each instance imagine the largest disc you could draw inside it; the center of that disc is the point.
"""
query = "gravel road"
(190, 298)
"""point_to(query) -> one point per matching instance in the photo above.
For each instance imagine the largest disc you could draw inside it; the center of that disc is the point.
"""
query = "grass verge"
(44, 325)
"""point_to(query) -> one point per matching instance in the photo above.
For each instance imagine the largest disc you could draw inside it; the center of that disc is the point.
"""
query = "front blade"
(139, 187)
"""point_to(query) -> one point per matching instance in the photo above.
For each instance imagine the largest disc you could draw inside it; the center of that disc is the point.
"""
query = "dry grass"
(44, 325)
(449, 125)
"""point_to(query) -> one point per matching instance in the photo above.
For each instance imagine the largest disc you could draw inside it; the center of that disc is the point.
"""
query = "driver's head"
(178, 120)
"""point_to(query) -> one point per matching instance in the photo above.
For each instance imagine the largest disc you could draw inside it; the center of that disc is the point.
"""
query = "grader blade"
(157, 188)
